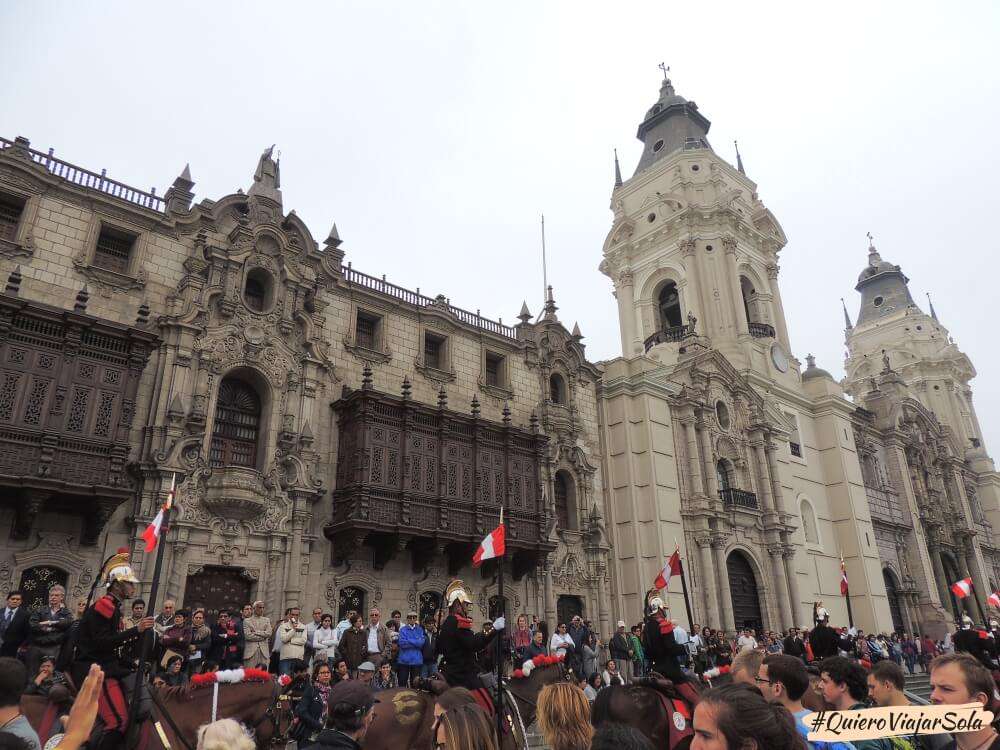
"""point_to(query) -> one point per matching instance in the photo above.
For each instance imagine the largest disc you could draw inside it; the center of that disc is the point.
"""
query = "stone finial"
(810, 361)
(407, 388)
(306, 436)
(81, 300)
(142, 316)
(848, 325)
(442, 398)
(475, 406)
(533, 421)
(333, 239)
(179, 196)
(550, 304)
(525, 315)
(14, 282)
(366, 378)
(506, 413)
(618, 171)
(576, 332)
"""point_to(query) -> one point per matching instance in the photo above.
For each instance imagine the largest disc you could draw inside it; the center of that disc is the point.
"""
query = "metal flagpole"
(146, 639)
(847, 592)
(499, 636)
(687, 602)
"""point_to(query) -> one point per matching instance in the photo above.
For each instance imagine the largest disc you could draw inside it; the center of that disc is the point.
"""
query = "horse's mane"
(188, 690)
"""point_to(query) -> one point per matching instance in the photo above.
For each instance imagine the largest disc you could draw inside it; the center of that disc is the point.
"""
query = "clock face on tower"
(779, 358)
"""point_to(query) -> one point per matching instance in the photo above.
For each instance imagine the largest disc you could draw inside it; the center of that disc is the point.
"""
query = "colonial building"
(342, 441)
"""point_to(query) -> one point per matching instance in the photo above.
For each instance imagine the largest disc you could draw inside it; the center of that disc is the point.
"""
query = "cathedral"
(341, 441)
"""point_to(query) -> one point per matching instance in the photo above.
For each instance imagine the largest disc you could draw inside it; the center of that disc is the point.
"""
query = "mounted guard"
(458, 643)
(102, 639)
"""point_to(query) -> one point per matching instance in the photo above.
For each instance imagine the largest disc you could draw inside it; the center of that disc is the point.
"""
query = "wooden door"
(215, 589)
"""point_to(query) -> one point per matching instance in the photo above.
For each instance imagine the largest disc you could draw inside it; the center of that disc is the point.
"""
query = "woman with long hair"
(564, 717)
(737, 717)
(311, 710)
(464, 727)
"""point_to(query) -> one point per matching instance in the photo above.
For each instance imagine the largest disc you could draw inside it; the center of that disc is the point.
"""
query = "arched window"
(669, 305)
(257, 290)
(36, 582)
(557, 388)
(237, 423)
(749, 299)
(565, 497)
(724, 473)
(809, 526)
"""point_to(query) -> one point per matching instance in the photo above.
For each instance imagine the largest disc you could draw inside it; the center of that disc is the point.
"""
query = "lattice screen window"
(562, 497)
(366, 330)
(434, 348)
(11, 209)
(495, 370)
(114, 250)
(237, 425)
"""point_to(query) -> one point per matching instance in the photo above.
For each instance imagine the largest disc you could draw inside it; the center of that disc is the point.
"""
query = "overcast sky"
(435, 133)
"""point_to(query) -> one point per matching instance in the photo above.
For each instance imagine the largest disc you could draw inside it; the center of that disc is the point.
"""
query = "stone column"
(293, 574)
(550, 600)
(793, 582)
(780, 327)
(603, 615)
(274, 578)
(178, 563)
(693, 301)
(775, 552)
(761, 475)
(626, 312)
(711, 480)
(725, 595)
(771, 451)
(694, 470)
(735, 290)
(708, 583)
(942, 581)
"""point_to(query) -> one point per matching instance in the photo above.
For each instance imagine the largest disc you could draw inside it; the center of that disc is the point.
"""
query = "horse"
(657, 708)
(177, 712)
(404, 717)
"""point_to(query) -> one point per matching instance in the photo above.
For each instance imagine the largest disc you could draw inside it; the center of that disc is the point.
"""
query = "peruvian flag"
(994, 600)
(962, 589)
(672, 568)
(492, 546)
(843, 577)
(152, 533)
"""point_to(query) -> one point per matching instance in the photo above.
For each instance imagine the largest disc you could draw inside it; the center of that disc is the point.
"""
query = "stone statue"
(268, 170)
(886, 367)
(692, 321)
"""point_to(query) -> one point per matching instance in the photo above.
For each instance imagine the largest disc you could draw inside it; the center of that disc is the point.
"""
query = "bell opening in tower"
(670, 306)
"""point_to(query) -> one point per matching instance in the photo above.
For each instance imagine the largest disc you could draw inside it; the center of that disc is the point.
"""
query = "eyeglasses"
(761, 679)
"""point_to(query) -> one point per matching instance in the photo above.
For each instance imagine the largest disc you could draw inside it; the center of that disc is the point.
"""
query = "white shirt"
(746, 643)
(373, 640)
(558, 644)
(680, 635)
(324, 639)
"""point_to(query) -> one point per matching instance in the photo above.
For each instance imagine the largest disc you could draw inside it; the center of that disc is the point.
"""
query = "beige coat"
(293, 640)
(257, 641)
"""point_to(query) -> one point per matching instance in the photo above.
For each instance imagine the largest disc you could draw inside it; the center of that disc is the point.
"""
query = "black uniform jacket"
(663, 650)
(458, 645)
(972, 642)
(101, 640)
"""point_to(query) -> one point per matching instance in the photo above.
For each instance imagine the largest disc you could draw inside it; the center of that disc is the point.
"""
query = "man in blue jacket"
(411, 649)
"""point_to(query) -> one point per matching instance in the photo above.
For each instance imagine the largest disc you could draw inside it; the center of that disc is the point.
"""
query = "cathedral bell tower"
(693, 252)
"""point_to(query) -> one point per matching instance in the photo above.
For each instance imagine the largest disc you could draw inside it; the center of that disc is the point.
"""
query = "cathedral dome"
(671, 124)
(812, 371)
(884, 288)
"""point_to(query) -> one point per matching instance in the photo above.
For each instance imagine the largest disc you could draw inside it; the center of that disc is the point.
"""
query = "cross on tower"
(871, 240)
(666, 69)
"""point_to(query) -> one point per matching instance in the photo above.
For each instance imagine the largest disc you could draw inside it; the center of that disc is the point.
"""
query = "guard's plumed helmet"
(456, 592)
(118, 569)
(654, 601)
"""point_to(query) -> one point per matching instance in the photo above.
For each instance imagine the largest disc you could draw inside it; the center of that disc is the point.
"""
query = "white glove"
(499, 624)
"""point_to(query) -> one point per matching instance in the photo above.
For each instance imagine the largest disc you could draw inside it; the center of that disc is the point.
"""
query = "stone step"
(919, 684)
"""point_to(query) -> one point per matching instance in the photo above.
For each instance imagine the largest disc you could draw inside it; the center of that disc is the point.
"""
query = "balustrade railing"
(761, 330)
(380, 285)
(742, 498)
(667, 335)
(85, 178)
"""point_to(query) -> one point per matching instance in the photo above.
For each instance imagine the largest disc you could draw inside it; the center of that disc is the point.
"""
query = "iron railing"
(667, 335)
(761, 330)
(353, 276)
(85, 178)
(742, 498)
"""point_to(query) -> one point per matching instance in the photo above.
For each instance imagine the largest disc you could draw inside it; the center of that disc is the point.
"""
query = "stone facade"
(343, 441)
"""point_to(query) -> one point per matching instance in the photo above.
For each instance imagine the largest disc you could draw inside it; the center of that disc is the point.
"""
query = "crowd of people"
(343, 663)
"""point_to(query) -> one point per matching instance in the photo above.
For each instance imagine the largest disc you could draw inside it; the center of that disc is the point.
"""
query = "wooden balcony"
(431, 481)
(68, 384)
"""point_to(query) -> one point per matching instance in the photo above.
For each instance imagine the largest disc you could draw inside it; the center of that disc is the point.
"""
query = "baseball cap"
(365, 666)
(352, 693)
(621, 623)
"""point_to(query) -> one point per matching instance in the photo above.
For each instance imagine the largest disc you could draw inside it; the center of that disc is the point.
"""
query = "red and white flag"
(492, 546)
(994, 600)
(843, 577)
(152, 533)
(962, 589)
(672, 568)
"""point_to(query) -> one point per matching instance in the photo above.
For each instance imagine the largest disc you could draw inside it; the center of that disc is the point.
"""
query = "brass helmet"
(654, 601)
(118, 569)
(456, 591)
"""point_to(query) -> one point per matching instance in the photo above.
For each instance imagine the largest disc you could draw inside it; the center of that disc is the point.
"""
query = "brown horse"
(662, 713)
(404, 717)
(179, 711)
